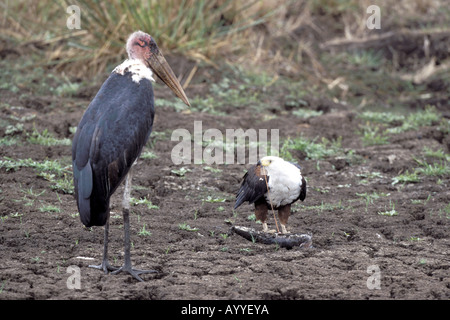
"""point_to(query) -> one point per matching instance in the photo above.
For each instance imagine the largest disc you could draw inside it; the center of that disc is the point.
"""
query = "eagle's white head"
(278, 166)
(271, 161)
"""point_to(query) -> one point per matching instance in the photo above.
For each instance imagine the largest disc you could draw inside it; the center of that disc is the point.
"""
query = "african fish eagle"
(272, 183)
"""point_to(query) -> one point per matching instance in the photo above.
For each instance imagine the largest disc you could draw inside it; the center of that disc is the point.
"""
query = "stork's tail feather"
(84, 207)
(94, 209)
(83, 189)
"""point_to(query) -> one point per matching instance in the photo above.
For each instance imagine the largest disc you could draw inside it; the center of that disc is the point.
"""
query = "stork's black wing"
(109, 138)
(253, 186)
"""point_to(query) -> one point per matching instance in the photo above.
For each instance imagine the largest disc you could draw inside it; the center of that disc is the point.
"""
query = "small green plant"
(224, 236)
(210, 199)
(51, 170)
(144, 232)
(406, 177)
(13, 129)
(306, 113)
(389, 211)
(369, 176)
(418, 119)
(46, 139)
(433, 169)
(155, 137)
(372, 136)
(29, 197)
(366, 59)
(184, 226)
(148, 155)
(67, 89)
(2, 286)
(313, 151)
(419, 201)
(180, 172)
(46, 165)
(196, 212)
(143, 201)
(438, 154)
(50, 208)
(176, 104)
(9, 141)
(62, 183)
(445, 210)
(381, 117)
(370, 197)
(214, 170)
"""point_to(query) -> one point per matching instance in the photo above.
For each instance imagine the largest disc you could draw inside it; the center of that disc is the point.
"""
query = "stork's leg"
(105, 266)
(126, 227)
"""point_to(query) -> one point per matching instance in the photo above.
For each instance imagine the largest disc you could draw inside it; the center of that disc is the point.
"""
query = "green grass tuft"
(46, 139)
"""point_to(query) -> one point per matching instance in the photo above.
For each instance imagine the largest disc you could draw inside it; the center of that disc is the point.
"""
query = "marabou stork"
(111, 134)
(272, 183)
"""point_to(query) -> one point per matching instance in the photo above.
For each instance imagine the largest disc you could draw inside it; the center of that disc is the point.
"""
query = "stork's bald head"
(140, 45)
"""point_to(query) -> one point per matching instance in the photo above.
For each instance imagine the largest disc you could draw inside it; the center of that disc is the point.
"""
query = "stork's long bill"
(159, 65)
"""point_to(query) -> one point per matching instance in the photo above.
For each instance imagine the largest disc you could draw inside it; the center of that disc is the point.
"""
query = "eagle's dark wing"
(109, 138)
(302, 195)
(253, 186)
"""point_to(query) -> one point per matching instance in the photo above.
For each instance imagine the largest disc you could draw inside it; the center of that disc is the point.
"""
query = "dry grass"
(282, 37)
(199, 29)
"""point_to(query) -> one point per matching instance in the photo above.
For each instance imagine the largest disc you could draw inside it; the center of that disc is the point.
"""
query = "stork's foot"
(105, 266)
(134, 272)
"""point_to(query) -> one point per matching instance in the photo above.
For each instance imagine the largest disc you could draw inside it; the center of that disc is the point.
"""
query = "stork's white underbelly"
(284, 187)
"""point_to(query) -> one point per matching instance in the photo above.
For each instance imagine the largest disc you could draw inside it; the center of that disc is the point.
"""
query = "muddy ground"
(41, 234)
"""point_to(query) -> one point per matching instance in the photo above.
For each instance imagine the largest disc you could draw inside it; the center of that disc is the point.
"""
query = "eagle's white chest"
(285, 182)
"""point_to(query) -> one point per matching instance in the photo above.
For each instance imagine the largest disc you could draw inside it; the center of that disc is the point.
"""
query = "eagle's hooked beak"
(159, 65)
(265, 162)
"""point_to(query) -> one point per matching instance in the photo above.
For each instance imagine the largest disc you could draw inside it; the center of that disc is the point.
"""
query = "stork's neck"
(137, 68)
